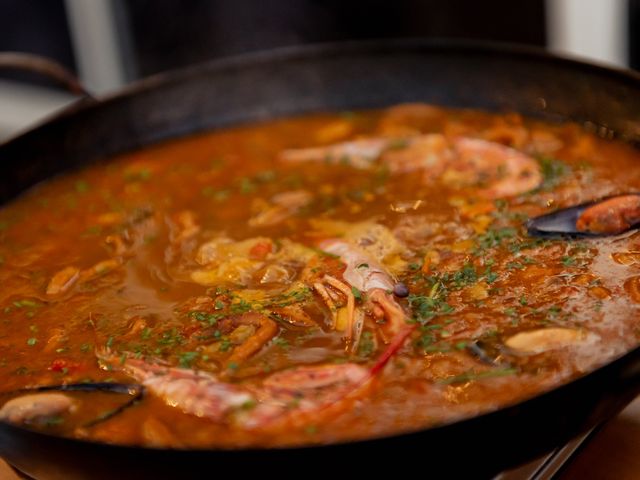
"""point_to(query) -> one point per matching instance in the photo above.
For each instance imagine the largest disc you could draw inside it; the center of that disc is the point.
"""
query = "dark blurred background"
(109, 43)
(219, 28)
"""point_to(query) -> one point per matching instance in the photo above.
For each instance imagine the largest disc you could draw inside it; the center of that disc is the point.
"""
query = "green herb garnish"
(471, 376)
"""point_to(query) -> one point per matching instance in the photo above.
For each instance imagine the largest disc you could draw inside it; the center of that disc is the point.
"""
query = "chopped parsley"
(281, 342)
(466, 276)
(208, 191)
(241, 306)
(249, 404)
(356, 293)
(471, 375)
(265, 176)
(225, 345)
(205, 317)
(490, 276)
(425, 308)
(145, 334)
(367, 345)
(494, 238)
(186, 359)
(141, 175)
(82, 186)
(26, 303)
(221, 195)
(246, 186)
(53, 421)
(552, 171)
(170, 338)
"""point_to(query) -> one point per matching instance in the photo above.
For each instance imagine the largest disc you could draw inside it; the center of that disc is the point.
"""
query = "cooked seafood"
(457, 162)
(610, 216)
(317, 279)
(35, 407)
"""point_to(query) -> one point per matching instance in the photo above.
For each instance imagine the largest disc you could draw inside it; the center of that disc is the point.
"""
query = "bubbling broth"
(313, 280)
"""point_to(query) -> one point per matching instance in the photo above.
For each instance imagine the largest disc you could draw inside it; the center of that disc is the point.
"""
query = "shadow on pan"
(326, 78)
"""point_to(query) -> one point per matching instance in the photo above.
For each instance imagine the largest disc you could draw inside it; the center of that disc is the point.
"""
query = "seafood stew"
(313, 280)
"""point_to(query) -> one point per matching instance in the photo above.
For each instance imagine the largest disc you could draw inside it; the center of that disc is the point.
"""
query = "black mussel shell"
(133, 389)
(487, 353)
(558, 223)
(562, 223)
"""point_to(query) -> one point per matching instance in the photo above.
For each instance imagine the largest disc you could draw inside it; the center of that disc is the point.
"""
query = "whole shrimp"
(366, 274)
(289, 397)
(459, 161)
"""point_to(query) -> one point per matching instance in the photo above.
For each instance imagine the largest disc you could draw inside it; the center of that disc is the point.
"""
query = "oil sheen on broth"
(314, 279)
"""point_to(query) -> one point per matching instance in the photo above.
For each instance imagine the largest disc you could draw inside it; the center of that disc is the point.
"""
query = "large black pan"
(336, 77)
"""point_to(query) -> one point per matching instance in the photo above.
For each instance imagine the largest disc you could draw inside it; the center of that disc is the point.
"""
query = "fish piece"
(101, 268)
(226, 261)
(63, 280)
(249, 261)
(275, 274)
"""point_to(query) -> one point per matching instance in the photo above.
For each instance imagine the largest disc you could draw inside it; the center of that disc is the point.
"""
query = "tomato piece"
(260, 250)
(64, 366)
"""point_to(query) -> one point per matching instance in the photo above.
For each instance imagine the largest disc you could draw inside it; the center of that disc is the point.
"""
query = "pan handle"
(43, 66)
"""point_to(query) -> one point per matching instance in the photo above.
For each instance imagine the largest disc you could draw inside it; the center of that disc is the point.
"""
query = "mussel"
(487, 353)
(30, 403)
(607, 216)
(539, 340)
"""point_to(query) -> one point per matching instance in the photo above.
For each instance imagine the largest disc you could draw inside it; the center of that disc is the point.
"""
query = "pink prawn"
(368, 275)
(289, 397)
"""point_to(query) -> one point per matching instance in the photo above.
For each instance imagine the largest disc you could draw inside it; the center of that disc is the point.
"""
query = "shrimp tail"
(396, 344)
